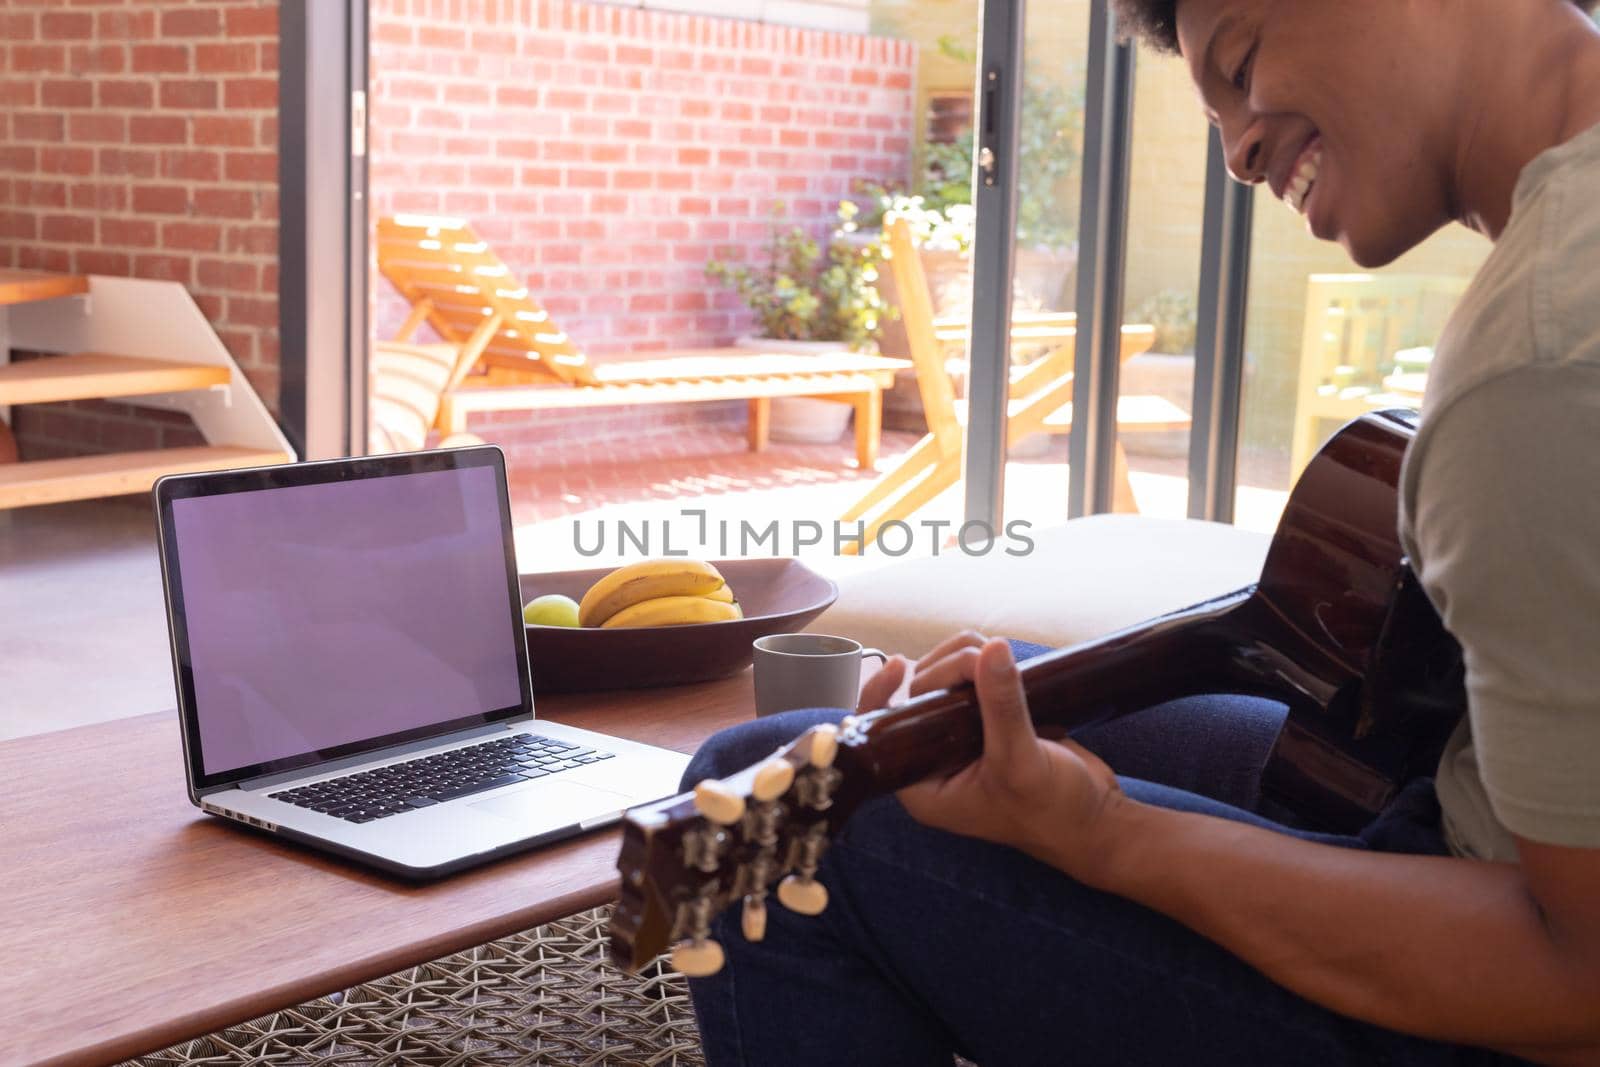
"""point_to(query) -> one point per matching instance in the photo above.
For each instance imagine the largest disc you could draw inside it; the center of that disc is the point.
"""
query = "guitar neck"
(1232, 644)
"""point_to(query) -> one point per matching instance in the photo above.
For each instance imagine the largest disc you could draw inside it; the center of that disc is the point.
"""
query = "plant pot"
(1044, 277)
(804, 419)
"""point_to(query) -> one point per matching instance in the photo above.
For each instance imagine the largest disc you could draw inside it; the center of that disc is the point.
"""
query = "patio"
(557, 484)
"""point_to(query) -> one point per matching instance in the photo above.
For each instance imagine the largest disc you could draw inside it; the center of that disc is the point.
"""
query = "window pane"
(1044, 277)
(1166, 202)
(611, 160)
(922, 485)
(1325, 342)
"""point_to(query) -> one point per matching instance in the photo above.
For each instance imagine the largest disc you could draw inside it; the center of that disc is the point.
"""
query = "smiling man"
(1119, 899)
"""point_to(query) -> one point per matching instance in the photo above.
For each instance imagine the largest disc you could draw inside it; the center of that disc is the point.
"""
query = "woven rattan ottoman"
(547, 996)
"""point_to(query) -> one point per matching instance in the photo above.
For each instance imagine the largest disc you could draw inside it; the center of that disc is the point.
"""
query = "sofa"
(1082, 579)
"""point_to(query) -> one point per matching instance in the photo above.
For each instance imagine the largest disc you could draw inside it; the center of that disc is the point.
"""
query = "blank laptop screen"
(330, 614)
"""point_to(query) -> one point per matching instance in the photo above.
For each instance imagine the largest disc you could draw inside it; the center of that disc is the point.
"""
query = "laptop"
(351, 672)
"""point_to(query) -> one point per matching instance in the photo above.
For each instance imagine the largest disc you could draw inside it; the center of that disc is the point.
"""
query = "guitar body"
(1338, 598)
(1337, 628)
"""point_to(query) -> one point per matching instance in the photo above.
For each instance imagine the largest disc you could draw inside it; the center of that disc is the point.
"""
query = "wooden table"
(131, 921)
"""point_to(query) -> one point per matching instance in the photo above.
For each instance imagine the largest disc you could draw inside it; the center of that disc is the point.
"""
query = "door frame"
(324, 293)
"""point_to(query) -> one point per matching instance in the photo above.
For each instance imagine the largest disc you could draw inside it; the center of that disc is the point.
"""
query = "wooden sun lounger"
(514, 358)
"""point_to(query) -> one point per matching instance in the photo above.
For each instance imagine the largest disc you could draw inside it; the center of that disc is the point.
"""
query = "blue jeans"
(935, 944)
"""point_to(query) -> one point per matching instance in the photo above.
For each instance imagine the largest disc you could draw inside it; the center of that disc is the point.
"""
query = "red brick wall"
(608, 152)
(140, 139)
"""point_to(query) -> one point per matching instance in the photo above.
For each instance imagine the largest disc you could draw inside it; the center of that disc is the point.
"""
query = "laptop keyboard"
(428, 780)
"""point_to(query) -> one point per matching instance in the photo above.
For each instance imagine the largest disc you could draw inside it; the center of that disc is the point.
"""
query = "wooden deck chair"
(514, 358)
(1040, 399)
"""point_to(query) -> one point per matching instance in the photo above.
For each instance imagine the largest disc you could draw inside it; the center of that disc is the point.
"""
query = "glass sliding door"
(1042, 343)
(1166, 209)
(1326, 341)
(994, 225)
(927, 223)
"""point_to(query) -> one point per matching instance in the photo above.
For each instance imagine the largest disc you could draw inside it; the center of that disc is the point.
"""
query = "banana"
(674, 611)
(725, 594)
(646, 580)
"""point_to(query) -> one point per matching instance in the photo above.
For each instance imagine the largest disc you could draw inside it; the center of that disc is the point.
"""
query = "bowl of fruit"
(661, 621)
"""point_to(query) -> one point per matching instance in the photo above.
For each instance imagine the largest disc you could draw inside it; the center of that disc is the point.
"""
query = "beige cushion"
(1083, 579)
(405, 385)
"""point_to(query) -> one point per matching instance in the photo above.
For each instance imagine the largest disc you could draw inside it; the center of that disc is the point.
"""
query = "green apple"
(552, 609)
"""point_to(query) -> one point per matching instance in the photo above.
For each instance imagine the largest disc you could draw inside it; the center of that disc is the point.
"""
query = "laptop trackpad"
(558, 802)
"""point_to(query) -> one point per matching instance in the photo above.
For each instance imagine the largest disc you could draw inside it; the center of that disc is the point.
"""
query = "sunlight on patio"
(705, 498)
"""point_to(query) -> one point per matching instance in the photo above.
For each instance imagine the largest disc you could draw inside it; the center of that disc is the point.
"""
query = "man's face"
(1334, 106)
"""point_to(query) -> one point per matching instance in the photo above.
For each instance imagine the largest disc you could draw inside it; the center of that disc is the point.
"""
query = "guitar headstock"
(685, 859)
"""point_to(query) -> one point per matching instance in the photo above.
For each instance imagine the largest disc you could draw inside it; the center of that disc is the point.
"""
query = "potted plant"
(810, 300)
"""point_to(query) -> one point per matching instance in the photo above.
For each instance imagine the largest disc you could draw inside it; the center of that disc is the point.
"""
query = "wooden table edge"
(279, 998)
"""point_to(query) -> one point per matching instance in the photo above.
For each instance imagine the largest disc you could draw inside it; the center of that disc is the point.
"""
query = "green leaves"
(802, 294)
(1050, 150)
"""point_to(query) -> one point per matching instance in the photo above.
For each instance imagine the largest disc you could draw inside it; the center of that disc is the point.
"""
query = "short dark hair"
(1155, 22)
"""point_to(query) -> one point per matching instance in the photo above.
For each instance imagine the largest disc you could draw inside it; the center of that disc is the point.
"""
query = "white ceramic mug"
(808, 671)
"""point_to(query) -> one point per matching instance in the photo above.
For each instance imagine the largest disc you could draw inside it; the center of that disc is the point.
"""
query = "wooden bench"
(514, 357)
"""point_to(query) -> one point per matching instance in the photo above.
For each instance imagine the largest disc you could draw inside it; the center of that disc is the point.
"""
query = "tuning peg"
(718, 803)
(807, 896)
(773, 779)
(754, 918)
(824, 745)
(698, 959)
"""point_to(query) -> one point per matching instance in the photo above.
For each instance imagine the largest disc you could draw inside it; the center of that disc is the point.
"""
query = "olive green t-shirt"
(1500, 513)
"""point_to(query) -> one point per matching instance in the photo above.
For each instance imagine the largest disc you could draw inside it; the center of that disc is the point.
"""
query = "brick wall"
(140, 139)
(609, 152)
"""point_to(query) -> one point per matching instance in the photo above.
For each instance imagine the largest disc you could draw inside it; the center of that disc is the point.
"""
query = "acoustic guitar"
(1337, 628)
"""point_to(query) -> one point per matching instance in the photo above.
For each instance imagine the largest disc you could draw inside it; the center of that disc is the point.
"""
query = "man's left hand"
(1049, 799)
